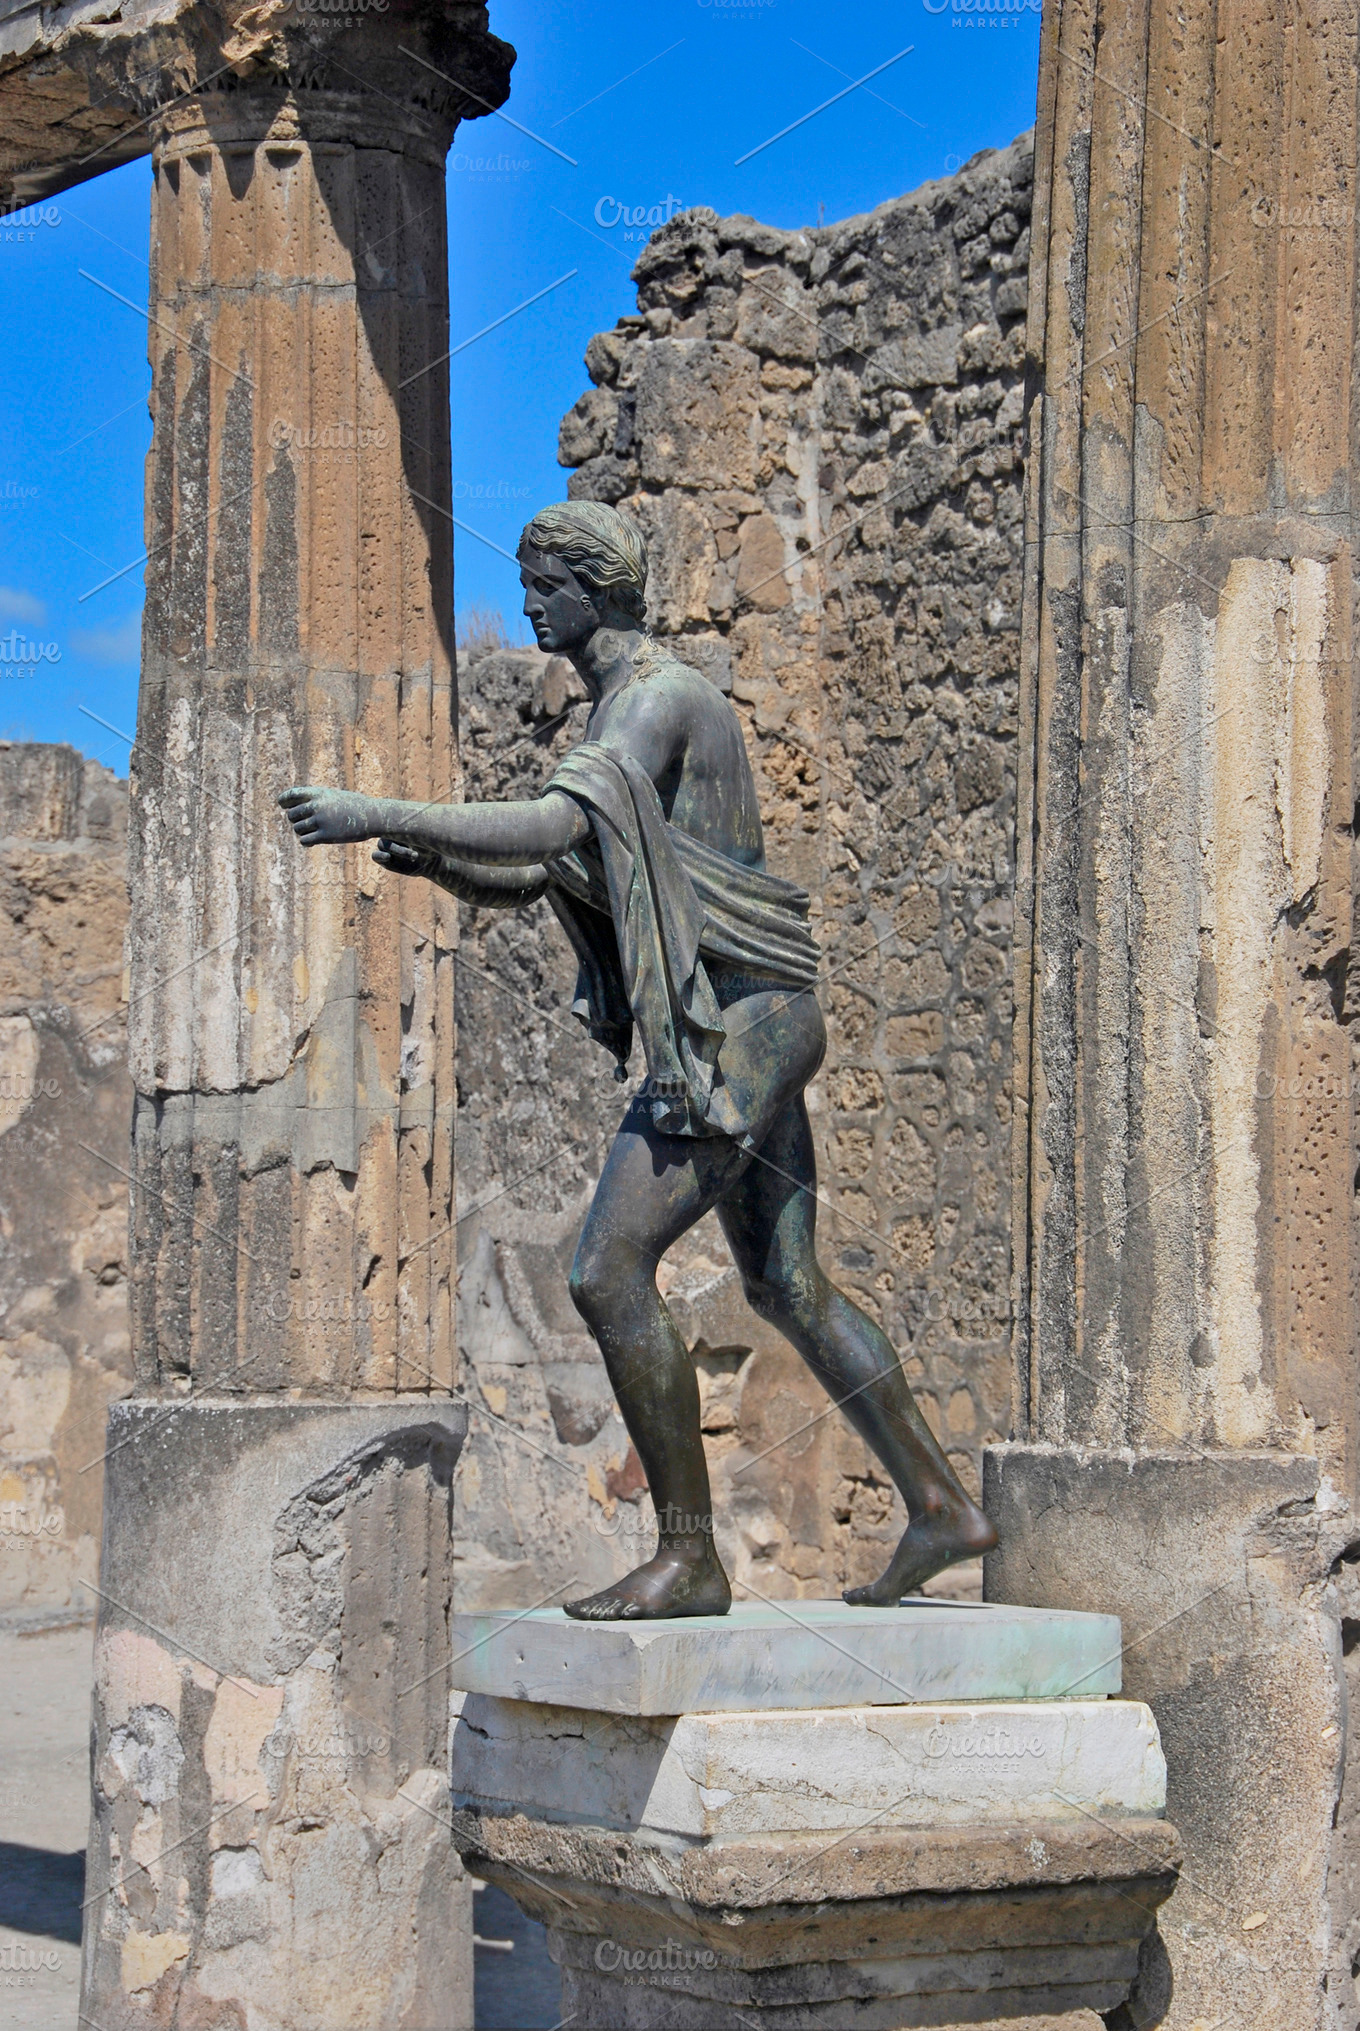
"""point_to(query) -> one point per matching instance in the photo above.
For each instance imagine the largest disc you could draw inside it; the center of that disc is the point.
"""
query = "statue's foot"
(929, 1544)
(675, 1582)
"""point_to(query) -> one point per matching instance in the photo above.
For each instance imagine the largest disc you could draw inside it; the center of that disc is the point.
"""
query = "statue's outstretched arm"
(490, 888)
(519, 834)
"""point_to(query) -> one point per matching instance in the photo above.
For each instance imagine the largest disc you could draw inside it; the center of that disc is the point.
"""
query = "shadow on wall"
(517, 1988)
(40, 1891)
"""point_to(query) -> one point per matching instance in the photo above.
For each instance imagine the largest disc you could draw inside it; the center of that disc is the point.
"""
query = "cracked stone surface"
(65, 1097)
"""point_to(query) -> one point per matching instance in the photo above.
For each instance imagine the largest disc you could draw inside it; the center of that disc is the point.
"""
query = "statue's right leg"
(653, 1189)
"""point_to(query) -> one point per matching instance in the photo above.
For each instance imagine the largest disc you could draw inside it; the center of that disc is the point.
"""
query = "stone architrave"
(1188, 1425)
(290, 1038)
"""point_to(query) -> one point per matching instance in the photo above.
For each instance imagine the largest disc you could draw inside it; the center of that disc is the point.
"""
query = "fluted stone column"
(291, 1016)
(1185, 1213)
(269, 1840)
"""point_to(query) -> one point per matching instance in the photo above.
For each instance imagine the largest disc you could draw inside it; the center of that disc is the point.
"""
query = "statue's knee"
(586, 1283)
(599, 1278)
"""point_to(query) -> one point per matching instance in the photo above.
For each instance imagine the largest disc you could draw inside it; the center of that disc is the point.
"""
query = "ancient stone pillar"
(275, 1585)
(1184, 1216)
(291, 1033)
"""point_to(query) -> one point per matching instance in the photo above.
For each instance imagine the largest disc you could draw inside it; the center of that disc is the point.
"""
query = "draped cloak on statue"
(644, 906)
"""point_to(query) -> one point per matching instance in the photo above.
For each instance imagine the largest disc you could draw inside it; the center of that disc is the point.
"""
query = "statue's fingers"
(300, 793)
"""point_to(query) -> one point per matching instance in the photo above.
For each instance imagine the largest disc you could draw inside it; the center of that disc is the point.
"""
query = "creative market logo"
(639, 220)
(335, 443)
(489, 490)
(20, 657)
(339, 10)
(30, 1519)
(23, 225)
(464, 164)
(983, 13)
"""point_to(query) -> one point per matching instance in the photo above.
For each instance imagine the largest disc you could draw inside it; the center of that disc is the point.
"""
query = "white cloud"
(20, 606)
(121, 644)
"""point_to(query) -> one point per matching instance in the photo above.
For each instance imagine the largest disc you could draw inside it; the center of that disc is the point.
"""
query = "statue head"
(583, 566)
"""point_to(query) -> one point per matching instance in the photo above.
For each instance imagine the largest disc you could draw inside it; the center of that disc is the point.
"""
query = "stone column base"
(1231, 1572)
(269, 1834)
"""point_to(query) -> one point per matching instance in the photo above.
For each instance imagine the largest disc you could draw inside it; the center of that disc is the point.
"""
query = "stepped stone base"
(774, 1654)
(845, 1865)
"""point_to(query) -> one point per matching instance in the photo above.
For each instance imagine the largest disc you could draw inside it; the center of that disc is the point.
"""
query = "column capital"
(78, 97)
(274, 112)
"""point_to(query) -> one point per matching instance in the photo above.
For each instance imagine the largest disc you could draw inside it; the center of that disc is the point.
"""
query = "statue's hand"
(328, 817)
(401, 859)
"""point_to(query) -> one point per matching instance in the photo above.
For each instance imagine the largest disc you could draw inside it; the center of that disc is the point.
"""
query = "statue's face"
(559, 608)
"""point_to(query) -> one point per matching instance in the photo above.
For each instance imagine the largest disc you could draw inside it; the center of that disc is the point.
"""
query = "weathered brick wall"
(65, 1105)
(819, 433)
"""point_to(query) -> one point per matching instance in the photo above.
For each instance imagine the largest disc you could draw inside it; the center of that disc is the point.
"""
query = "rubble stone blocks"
(65, 1099)
(270, 1812)
(820, 431)
(1185, 1231)
(914, 1863)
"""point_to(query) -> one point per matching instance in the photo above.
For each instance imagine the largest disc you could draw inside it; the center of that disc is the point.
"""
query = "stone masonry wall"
(819, 433)
(65, 1104)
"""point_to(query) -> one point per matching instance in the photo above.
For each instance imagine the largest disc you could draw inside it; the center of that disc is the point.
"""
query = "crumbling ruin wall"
(819, 433)
(65, 1103)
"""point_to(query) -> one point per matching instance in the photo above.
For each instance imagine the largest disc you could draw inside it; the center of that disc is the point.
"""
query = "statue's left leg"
(769, 1217)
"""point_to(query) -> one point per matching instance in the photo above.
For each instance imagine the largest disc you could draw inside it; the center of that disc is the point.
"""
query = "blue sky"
(653, 104)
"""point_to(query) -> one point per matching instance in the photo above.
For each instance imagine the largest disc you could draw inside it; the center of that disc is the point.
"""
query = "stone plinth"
(270, 1812)
(1232, 1572)
(788, 1654)
(711, 1777)
(876, 1863)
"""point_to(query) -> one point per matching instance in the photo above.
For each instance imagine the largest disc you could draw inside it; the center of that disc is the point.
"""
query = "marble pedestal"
(808, 1815)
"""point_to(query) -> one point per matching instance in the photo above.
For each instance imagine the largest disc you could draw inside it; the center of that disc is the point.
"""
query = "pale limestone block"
(716, 1777)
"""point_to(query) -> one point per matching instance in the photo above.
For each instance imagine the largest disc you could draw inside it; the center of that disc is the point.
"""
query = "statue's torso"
(688, 738)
